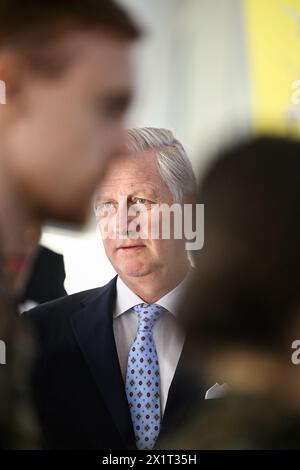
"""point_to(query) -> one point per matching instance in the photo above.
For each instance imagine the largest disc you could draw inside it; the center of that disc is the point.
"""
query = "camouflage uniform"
(239, 421)
(18, 424)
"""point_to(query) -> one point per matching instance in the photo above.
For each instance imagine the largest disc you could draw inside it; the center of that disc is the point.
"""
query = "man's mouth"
(130, 247)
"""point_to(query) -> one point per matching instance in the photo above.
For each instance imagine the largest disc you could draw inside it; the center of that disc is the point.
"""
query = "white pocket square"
(216, 391)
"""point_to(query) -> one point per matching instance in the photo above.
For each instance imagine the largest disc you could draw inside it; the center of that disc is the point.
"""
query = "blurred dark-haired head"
(246, 289)
(65, 71)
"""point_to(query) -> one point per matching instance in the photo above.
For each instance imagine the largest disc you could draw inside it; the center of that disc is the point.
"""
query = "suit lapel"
(185, 394)
(93, 328)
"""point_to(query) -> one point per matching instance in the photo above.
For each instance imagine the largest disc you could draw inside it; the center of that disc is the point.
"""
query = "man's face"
(133, 181)
(66, 128)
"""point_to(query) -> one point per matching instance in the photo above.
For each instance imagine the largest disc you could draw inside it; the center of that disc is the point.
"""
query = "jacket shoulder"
(57, 310)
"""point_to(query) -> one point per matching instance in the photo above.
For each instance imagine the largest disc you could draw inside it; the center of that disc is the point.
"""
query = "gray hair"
(173, 163)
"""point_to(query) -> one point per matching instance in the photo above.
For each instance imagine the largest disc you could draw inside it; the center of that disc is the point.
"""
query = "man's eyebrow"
(137, 192)
(107, 189)
(145, 191)
(104, 197)
(119, 101)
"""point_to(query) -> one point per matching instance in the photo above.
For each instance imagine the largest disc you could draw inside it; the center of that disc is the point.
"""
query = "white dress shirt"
(167, 334)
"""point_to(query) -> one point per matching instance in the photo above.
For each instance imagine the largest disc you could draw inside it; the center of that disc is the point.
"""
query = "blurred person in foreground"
(112, 369)
(65, 67)
(243, 310)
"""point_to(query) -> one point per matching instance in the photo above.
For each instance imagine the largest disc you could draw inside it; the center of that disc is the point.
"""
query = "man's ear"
(13, 75)
(193, 224)
(190, 199)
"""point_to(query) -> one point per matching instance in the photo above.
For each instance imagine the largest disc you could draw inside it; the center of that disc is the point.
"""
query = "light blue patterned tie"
(142, 379)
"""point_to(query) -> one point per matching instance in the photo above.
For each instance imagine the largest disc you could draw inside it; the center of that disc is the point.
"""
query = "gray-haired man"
(112, 370)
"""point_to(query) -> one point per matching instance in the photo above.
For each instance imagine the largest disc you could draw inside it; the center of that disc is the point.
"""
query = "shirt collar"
(126, 298)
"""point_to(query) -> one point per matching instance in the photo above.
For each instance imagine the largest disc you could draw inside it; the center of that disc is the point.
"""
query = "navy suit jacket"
(46, 280)
(78, 386)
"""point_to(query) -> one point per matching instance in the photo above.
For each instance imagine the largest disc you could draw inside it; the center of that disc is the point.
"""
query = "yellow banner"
(273, 48)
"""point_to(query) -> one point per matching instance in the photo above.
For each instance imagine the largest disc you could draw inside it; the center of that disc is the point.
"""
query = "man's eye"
(141, 200)
(104, 208)
(114, 107)
(106, 205)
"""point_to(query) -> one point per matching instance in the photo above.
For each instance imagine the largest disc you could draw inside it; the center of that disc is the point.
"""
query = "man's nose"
(124, 223)
(121, 217)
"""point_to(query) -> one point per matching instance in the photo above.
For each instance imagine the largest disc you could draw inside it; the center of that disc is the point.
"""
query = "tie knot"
(147, 315)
